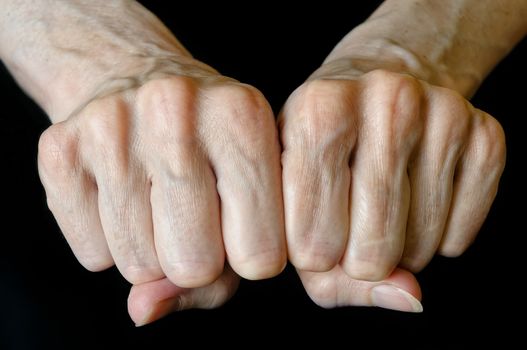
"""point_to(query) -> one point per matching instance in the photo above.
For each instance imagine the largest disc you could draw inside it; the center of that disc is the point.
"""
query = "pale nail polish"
(391, 297)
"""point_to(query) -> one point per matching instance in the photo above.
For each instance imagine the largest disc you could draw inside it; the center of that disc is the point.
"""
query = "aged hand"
(382, 170)
(172, 177)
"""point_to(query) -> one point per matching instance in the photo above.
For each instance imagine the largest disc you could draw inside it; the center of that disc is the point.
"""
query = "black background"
(47, 300)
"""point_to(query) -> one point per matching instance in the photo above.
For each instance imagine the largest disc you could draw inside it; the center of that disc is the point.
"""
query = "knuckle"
(325, 111)
(398, 106)
(318, 263)
(491, 143)
(367, 272)
(90, 254)
(57, 151)
(193, 274)
(453, 103)
(371, 261)
(453, 249)
(168, 108)
(395, 86)
(246, 132)
(95, 263)
(387, 80)
(321, 117)
(260, 265)
(415, 262)
(381, 76)
(242, 97)
(247, 114)
(106, 120)
(137, 274)
(455, 116)
(320, 89)
(107, 135)
(317, 257)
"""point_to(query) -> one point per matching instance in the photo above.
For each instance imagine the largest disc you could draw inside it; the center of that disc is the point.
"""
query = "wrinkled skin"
(160, 165)
(172, 178)
(382, 171)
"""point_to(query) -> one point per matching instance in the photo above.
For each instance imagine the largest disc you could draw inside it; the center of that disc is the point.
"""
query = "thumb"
(150, 301)
(399, 291)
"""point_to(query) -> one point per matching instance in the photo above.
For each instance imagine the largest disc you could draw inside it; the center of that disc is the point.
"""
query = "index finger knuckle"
(57, 151)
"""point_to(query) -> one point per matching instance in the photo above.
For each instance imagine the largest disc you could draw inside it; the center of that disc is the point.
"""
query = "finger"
(317, 136)
(187, 221)
(125, 213)
(184, 200)
(400, 291)
(475, 184)
(151, 301)
(123, 188)
(431, 174)
(380, 191)
(245, 157)
(72, 197)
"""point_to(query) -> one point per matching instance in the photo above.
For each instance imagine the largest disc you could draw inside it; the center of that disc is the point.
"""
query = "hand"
(382, 170)
(170, 178)
(156, 162)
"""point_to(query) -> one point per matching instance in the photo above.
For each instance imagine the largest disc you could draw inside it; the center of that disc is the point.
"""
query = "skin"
(397, 165)
(160, 165)
(155, 162)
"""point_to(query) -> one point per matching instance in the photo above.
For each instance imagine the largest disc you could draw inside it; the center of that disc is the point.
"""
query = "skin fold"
(179, 176)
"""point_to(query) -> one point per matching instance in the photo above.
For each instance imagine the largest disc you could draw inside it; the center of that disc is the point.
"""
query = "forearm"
(451, 43)
(63, 53)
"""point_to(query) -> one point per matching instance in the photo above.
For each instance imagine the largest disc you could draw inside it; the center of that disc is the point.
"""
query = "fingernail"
(160, 310)
(391, 297)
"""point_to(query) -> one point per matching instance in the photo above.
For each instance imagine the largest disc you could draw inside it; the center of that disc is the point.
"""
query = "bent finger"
(151, 301)
(475, 184)
(400, 291)
(72, 197)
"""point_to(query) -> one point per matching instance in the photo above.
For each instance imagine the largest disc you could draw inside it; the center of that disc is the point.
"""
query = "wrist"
(65, 53)
(350, 61)
(451, 43)
(70, 93)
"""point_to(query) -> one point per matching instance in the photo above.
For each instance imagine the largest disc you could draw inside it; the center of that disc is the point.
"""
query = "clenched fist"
(159, 164)
(170, 178)
(383, 171)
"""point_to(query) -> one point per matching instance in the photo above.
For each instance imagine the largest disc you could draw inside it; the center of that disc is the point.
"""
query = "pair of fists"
(183, 181)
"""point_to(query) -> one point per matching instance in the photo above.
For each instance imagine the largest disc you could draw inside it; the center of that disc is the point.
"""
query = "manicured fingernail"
(391, 297)
(159, 310)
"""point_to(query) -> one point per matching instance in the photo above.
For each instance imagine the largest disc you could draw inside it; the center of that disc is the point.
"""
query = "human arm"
(453, 44)
(147, 144)
(401, 164)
